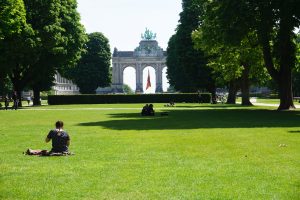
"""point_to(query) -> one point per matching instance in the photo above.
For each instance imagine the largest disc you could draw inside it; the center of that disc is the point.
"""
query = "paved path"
(272, 105)
(157, 108)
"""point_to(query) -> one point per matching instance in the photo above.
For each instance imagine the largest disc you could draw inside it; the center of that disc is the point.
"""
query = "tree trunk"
(36, 97)
(287, 58)
(233, 88)
(285, 92)
(286, 54)
(245, 86)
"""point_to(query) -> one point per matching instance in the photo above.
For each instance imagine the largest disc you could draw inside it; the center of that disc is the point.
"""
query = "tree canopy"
(187, 70)
(229, 22)
(51, 39)
(13, 17)
(93, 69)
(60, 41)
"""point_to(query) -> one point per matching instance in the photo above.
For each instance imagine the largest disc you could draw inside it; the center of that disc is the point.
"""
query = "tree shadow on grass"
(206, 118)
(294, 131)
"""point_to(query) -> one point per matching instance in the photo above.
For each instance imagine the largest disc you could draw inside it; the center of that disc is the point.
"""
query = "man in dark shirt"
(60, 139)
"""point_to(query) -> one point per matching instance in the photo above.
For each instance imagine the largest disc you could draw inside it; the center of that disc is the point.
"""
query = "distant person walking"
(16, 100)
(6, 102)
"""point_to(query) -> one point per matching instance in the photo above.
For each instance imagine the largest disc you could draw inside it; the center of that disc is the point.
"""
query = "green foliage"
(93, 69)
(175, 73)
(297, 41)
(45, 20)
(136, 98)
(187, 70)
(229, 23)
(127, 89)
(15, 37)
(230, 61)
(296, 71)
(51, 40)
(73, 36)
(13, 17)
(6, 86)
(61, 39)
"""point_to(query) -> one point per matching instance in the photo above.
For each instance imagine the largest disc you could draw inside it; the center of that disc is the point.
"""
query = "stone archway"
(148, 53)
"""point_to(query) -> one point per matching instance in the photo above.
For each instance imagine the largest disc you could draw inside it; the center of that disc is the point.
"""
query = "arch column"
(121, 75)
(115, 74)
(158, 73)
(139, 78)
(117, 78)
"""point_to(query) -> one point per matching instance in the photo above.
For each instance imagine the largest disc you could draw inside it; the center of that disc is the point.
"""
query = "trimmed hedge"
(125, 98)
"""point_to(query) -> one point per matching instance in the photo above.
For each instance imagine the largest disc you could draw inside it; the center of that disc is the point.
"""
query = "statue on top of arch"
(148, 35)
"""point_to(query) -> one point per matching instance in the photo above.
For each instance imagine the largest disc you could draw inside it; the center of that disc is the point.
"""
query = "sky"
(123, 22)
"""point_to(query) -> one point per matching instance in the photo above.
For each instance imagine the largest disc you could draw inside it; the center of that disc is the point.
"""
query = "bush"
(122, 98)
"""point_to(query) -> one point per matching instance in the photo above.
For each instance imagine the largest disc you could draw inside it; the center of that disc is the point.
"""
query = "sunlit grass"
(196, 152)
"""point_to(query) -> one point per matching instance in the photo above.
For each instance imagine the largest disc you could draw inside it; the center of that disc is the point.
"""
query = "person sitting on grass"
(144, 110)
(60, 139)
(60, 143)
(148, 110)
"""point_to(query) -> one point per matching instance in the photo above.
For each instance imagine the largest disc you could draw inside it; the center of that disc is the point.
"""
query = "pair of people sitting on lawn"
(148, 110)
(60, 142)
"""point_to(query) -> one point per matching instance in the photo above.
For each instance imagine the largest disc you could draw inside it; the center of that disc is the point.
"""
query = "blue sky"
(123, 21)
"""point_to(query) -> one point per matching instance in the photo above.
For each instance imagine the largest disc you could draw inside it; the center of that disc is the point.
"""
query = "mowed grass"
(196, 152)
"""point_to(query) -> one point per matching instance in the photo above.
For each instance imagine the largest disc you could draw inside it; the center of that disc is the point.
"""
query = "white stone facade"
(64, 86)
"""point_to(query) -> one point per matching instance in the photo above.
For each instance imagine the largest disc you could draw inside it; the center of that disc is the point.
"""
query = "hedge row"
(124, 98)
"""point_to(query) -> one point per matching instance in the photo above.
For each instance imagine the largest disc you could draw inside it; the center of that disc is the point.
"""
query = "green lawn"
(273, 101)
(268, 101)
(196, 152)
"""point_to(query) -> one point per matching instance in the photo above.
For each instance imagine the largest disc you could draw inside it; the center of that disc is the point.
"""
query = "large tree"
(12, 25)
(92, 71)
(239, 65)
(176, 74)
(63, 49)
(187, 68)
(15, 57)
(273, 22)
(53, 39)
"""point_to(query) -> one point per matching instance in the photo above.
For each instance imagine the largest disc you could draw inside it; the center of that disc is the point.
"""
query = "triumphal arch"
(148, 53)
